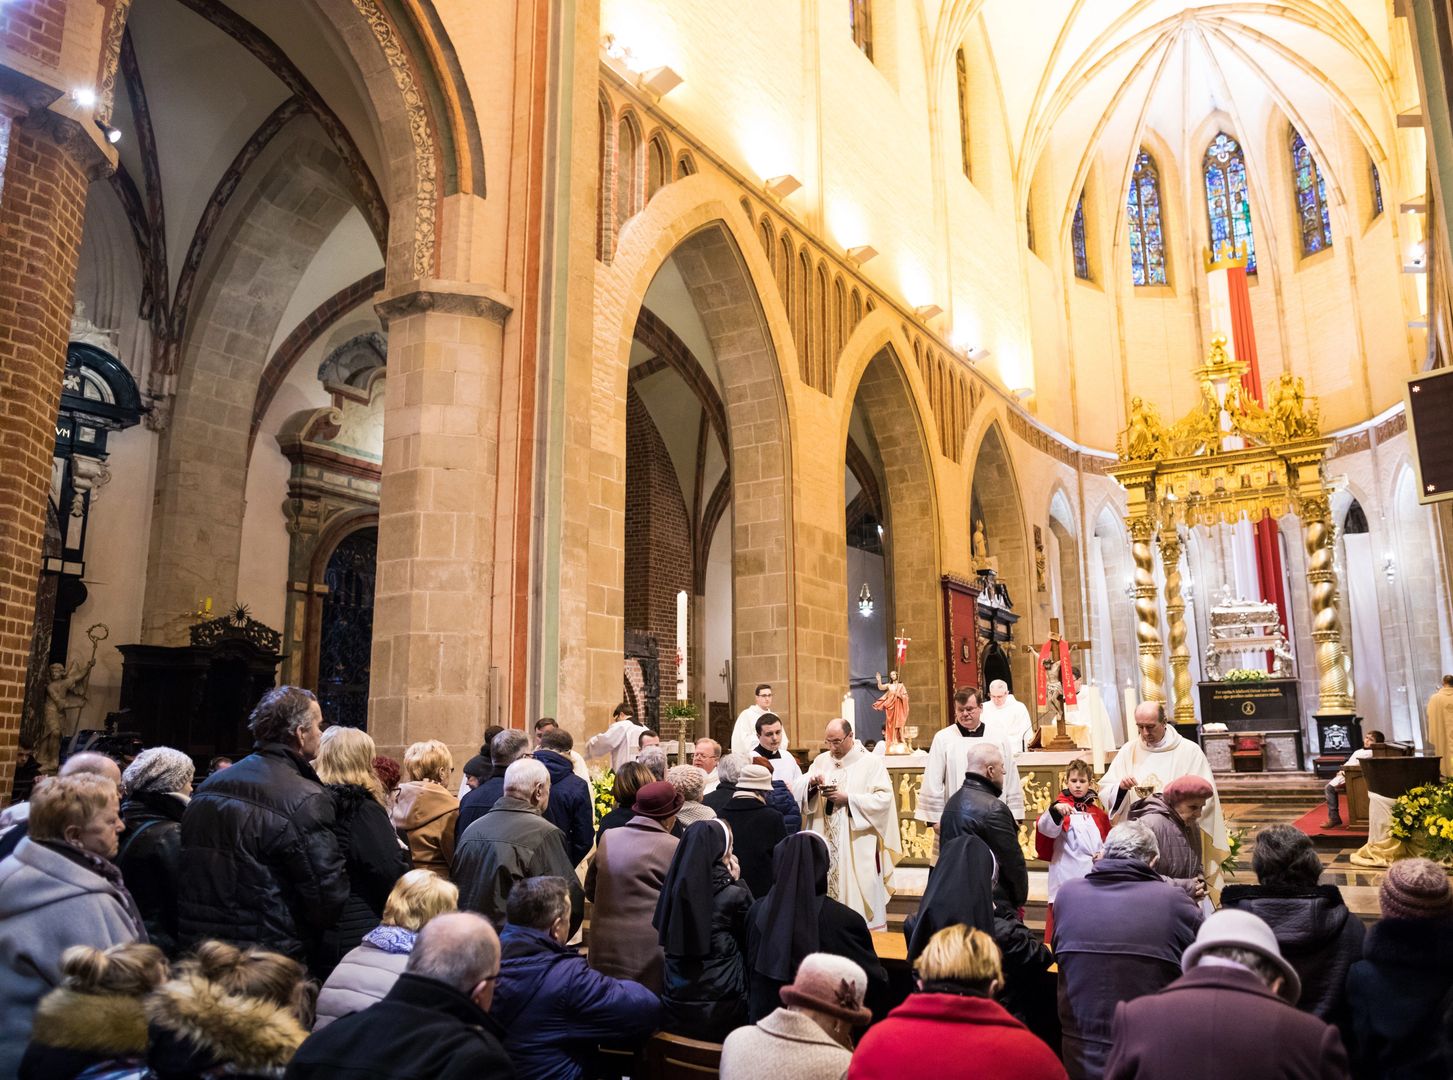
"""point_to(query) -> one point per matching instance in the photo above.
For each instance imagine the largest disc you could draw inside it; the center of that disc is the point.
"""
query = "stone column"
(1147, 614)
(1334, 692)
(1175, 619)
(433, 603)
(42, 204)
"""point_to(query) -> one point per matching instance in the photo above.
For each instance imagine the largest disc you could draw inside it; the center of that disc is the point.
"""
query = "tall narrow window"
(1029, 225)
(1142, 210)
(1227, 206)
(1376, 190)
(1077, 240)
(860, 17)
(658, 166)
(963, 85)
(1312, 217)
(628, 170)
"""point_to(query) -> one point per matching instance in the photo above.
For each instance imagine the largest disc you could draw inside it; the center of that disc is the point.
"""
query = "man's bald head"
(1150, 722)
(461, 950)
(839, 737)
(91, 762)
(985, 759)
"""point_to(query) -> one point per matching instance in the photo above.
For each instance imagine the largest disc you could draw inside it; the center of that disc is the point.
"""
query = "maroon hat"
(658, 800)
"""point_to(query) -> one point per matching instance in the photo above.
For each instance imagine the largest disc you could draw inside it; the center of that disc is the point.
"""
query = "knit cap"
(1415, 889)
(160, 769)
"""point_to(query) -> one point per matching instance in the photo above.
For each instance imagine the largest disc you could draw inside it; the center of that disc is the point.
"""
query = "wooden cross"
(1061, 739)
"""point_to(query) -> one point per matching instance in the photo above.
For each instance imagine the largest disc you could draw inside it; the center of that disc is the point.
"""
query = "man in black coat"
(976, 810)
(260, 863)
(757, 828)
(569, 808)
(504, 750)
(433, 1025)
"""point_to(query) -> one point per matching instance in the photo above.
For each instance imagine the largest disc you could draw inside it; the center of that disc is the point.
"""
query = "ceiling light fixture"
(779, 187)
(862, 253)
(660, 81)
(928, 311)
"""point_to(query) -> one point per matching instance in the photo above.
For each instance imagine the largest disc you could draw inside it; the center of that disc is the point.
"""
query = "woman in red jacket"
(952, 1026)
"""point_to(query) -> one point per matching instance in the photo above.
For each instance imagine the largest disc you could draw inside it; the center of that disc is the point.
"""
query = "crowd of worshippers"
(316, 910)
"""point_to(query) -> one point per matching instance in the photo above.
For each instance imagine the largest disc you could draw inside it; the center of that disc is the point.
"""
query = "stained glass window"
(1227, 206)
(1147, 240)
(1077, 240)
(1376, 191)
(1312, 217)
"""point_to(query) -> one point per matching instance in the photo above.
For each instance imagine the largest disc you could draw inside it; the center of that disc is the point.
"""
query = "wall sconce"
(865, 601)
(779, 187)
(928, 311)
(1389, 567)
(862, 253)
(660, 81)
(84, 96)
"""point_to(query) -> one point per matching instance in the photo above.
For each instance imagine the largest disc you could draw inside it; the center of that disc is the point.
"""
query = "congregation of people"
(314, 909)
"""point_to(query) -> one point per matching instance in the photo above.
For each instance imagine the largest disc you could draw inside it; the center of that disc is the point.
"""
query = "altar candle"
(848, 707)
(681, 645)
(1129, 712)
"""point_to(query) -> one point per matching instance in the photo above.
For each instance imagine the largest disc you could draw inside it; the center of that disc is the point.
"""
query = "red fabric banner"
(1066, 672)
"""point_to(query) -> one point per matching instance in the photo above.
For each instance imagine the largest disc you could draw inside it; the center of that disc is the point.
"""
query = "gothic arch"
(1060, 521)
(994, 495)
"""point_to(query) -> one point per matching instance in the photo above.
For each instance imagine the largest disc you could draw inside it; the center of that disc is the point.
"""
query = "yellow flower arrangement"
(1424, 816)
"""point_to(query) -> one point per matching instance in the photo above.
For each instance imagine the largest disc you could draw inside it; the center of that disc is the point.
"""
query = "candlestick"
(681, 645)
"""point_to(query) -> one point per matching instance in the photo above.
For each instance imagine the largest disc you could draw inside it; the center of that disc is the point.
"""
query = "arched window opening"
(602, 191)
(1142, 210)
(820, 327)
(1029, 226)
(1228, 208)
(658, 166)
(963, 88)
(800, 307)
(784, 274)
(860, 17)
(839, 317)
(685, 166)
(1376, 189)
(857, 310)
(628, 170)
(766, 235)
(1077, 240)
(1313, 220)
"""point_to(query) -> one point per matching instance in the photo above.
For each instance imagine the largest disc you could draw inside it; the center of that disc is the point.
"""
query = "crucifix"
(1056, 682)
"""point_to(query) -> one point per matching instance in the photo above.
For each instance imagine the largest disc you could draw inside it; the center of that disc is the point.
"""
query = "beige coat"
(785, 1045)
(425, 814)
(1440, 724)
(624, 883)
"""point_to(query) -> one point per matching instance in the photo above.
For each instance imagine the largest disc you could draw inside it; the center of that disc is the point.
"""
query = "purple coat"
(1118, 934)
(1216, 1022)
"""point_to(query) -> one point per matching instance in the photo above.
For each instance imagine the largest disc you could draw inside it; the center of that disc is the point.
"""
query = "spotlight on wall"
(84, 96)
(779, 187)
(862, 253)
(660, 80)
(113, 135)
(928, 311)
(865, 601)
(976, 353)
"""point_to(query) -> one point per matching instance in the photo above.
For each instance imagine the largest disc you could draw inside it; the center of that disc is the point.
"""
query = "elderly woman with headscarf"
(691, 783)
(156, 788)
(797, 918)
(702, 920)
(1172, 815)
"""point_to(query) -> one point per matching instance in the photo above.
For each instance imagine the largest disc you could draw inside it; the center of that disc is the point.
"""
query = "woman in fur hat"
(96, 1014)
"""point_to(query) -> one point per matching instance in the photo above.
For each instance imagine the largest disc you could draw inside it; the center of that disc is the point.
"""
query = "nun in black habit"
(701, 918)
(796, 918)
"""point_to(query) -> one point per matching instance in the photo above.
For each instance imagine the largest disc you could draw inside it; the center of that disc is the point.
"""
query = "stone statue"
(1039, 561)
(1282, 656)
(981, 545)
(86, 332)
(65, 696)
(1212, 664)
(894, 707)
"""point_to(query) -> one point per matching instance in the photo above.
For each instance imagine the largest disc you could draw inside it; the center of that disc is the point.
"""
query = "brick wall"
(34, 29)
(658, 538)
(40, 237)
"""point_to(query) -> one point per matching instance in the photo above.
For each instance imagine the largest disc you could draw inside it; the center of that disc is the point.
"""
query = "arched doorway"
(994, 500)
(345, 629)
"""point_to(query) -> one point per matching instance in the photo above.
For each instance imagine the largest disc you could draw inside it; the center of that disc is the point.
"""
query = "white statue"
(86, 332)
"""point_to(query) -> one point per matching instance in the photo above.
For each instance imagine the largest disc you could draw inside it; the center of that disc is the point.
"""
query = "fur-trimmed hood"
(206, 1024)
(113, 1024)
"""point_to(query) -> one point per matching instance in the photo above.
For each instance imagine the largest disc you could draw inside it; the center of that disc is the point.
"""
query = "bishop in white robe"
(948, 759)
(847, 799)
(1147, 763)
(1010, 714)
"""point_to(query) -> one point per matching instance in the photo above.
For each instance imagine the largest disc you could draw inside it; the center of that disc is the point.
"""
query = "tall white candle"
(849, 708)
(1130, 704)
(681, 645)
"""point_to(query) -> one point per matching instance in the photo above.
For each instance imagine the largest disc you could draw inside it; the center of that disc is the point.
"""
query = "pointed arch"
(1228, 204)
(994, 498)
(1314, 222)
(628, 168)
(1078, 249)
(1144, 220)
(658, 164)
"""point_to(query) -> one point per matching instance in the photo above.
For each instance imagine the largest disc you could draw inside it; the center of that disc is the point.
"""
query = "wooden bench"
(669, 1057)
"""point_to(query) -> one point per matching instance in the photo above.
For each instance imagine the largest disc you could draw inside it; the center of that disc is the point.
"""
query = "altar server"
(847, 799)
(744, 731)
(621, 741)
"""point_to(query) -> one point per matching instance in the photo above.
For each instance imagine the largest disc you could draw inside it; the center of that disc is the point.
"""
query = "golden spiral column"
(1147, 614)
(1333, 692)
(1175, 621)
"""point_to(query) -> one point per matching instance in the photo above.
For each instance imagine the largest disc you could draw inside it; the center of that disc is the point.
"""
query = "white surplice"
(1013, 717)
(621, 741)
(862, 837)
(948, 761)
(744, 732)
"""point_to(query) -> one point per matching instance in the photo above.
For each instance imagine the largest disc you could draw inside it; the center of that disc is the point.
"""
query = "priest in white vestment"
(1005, 711)
(847, 798)
(744, 731)
(948, 759)
(1147, 763)
(621, 741)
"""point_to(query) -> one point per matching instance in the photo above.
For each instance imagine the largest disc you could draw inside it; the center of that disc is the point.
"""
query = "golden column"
(1333, 689)
(1175, 620)
(1147, 610)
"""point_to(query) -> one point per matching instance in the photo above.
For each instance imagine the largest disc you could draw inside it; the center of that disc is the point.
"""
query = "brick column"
(434, 596)
(42, 203)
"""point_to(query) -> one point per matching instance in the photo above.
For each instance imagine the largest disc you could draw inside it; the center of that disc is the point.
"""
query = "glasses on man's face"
(836, 742)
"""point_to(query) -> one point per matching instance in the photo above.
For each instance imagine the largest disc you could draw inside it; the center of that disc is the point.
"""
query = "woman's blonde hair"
(58, 802)
(961, 954)
(132, 970)
(429, 760)
(417, 897)
(254, 973)
(345, 756)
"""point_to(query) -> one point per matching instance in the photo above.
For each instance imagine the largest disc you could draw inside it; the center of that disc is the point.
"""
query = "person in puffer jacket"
(369, 972)
(1317, 933)
(259, 859)
(554, 1008)
(569, 809)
